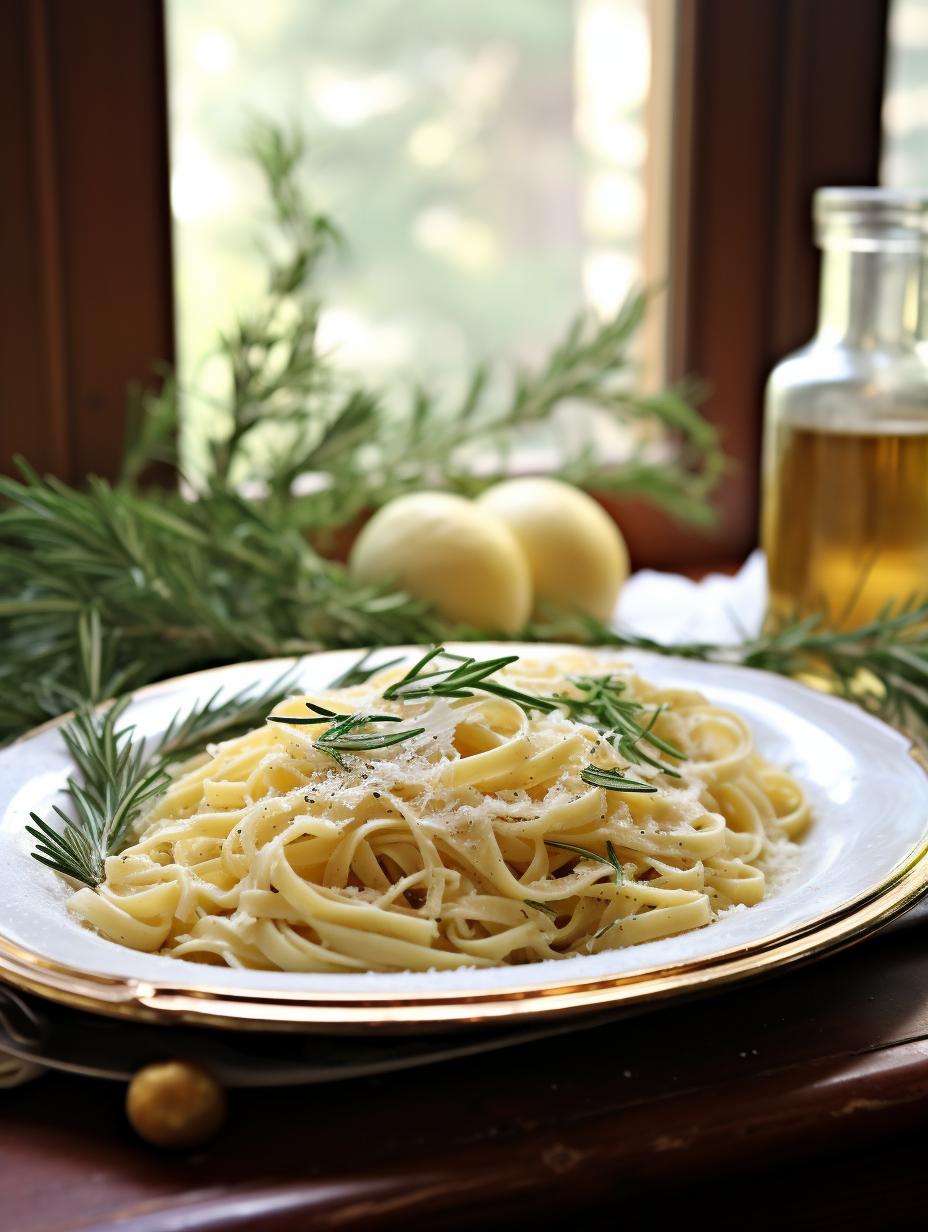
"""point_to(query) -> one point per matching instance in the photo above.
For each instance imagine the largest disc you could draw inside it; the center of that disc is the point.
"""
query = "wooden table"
(800, 1102)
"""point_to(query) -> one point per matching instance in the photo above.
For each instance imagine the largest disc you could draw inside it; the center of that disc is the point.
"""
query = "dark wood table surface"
(799, 1102)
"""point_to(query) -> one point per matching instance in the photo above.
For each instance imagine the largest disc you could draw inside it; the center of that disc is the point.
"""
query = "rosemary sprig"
(119, 774)
(881, 666)
(116, 781)
(345, 732)
(602, 705)
(605, 705)
(214, 720)
(290, 411)
(107, 589)
(461, 681)
(590, 365)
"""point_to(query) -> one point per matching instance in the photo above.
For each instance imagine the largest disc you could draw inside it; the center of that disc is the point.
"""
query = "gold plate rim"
(147, 1001)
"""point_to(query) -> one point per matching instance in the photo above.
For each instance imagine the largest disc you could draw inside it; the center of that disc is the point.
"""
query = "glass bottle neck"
(869, 299)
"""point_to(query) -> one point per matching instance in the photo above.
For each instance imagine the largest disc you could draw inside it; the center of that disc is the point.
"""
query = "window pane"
(905, 110)
(486, 162)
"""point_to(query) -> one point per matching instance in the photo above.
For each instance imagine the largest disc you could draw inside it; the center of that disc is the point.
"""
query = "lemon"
(449, 552)
(576, 554)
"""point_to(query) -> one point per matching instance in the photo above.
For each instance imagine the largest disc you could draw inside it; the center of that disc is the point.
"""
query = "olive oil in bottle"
(846, 522)
(845, 502)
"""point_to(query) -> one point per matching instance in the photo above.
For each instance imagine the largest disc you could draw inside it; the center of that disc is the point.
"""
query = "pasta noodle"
(457, 846)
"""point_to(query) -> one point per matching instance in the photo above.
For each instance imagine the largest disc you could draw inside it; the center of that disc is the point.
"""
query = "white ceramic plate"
(862, 862)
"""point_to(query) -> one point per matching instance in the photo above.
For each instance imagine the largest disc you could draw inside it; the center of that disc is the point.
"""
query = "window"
(488, 164)
(905, 107)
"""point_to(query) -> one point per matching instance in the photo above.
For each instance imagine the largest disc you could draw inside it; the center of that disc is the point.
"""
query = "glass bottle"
(845, 499)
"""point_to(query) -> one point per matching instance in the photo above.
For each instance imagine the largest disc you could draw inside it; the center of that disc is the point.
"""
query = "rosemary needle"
(613, 780)
(542, 907)
(611, 861)
(615, 862)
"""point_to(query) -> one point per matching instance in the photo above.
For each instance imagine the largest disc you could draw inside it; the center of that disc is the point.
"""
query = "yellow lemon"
(449, 552)
(576, 554)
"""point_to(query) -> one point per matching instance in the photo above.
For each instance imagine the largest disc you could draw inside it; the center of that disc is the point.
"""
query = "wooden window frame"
(762, 115)
(85, 232)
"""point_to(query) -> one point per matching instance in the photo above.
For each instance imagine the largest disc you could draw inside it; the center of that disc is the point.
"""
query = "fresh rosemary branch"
(275, 365)
(602, 705)
(146, 584)
(118, 774)
(345, 733)
(461, 681)
(290, 411)
(214, 720)
(591, 366)
(105, 590)
(116, 781)
(881, 666)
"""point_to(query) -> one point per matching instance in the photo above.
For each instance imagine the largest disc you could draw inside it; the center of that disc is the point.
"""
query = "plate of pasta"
(431, 838)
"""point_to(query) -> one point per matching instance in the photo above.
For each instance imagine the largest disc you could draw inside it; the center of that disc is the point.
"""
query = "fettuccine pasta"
(473, 843)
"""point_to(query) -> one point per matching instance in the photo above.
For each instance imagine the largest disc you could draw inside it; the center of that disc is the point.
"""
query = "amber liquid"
(845, 522)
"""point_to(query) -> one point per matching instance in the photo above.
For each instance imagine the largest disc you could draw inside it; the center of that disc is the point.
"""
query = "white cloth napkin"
(671, 608)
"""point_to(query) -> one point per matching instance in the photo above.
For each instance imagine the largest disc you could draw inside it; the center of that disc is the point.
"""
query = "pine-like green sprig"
(881, 665)
(107, 589)
(292, 411)
(603, 704)
(118, 774)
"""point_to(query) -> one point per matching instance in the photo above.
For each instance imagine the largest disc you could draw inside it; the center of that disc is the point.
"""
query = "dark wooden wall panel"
(27, 419)
(85, 226)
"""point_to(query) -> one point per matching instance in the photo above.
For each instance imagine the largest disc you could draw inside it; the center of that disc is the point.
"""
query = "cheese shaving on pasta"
(464, 845)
